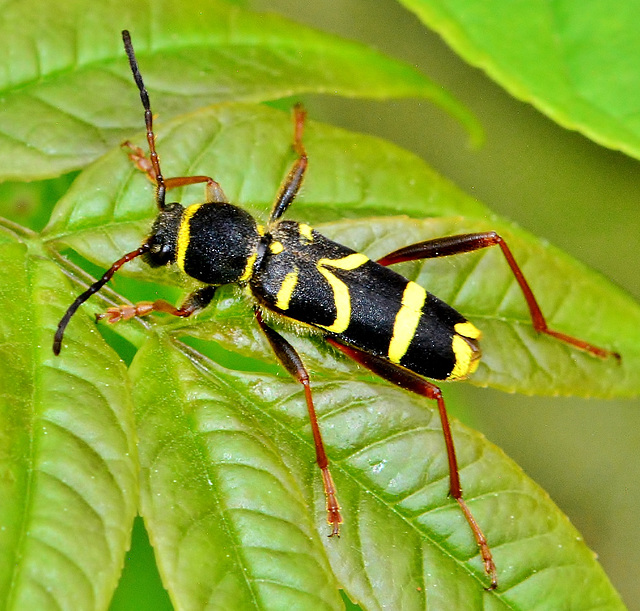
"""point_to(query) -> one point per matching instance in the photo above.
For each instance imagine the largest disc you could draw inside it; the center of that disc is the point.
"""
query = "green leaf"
(67, 452)
(230, 492)
(402, 535)
(574, 61)
(228, 520)
(68, 96)
(358, 178)
(110, 207)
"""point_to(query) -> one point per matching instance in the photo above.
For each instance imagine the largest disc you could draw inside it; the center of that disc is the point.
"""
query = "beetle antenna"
(94, 288)
(148, 119)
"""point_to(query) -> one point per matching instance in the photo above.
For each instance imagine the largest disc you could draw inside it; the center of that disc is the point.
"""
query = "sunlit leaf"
(67, 453)
(68, 95)
(572, 60)
(230, 491)
(227, 518)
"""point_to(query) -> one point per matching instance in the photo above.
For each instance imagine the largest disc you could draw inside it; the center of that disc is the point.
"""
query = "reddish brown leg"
(213, 191)
(293, 364)
(139, 159)
(410, 381)
(469, 242)
(151, 165)
(291, 184)
(195, 302)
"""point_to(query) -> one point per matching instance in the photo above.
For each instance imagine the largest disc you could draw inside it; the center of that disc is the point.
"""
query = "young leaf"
(574, 62)
(67, 452)
(67, 90)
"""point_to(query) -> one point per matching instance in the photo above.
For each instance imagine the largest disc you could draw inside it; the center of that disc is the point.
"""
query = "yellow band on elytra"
(286, 290)
(341, 296)
(406, 322)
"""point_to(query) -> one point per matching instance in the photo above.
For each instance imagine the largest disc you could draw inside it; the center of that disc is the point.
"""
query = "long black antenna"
(148, 119)
(92, 290)
(160, 193)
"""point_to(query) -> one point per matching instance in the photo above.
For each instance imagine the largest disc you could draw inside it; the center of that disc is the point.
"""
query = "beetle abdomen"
(316, 281)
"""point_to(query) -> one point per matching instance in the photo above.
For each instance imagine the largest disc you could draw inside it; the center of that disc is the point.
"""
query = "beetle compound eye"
(160, 253)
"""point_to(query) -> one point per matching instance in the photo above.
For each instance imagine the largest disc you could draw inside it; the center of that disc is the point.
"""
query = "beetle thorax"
(216, 243)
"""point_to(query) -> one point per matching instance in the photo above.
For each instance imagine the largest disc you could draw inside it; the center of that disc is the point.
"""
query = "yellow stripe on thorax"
(184, 234)
(406, 322)
(340, 290)
(286, 290)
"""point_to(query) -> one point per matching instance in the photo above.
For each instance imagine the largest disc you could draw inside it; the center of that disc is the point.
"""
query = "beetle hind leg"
(413, 382)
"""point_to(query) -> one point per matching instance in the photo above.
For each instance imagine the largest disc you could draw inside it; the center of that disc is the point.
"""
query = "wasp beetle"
(375, 316)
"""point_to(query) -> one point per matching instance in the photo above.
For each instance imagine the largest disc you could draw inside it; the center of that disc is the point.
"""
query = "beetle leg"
(196, 301)
(213, 190)
(469, 242)
(291, 184)
(413, 382)
(139, 159)
(292, 362)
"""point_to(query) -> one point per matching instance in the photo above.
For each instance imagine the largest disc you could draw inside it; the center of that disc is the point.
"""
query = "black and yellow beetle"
(383, 321)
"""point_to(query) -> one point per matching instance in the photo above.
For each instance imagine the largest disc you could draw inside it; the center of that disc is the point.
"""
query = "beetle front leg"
(213, 190)
(196, 301)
